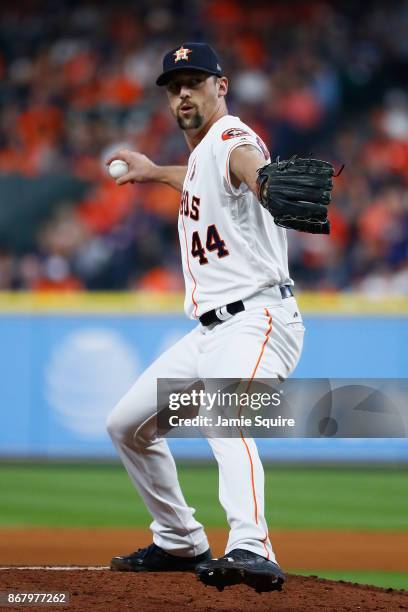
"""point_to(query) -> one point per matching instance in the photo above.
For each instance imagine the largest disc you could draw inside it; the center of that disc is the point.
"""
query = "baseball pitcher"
(235, 206)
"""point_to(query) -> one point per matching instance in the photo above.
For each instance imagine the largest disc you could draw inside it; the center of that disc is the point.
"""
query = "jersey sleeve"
(224, 145)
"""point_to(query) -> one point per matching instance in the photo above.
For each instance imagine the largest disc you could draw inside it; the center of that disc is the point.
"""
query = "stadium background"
(77, 81)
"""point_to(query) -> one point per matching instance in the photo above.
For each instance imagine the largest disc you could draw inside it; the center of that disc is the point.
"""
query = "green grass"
(296, 498)
(386, 580)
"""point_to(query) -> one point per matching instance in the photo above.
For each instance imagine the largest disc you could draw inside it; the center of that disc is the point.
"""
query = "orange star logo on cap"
(181, 54)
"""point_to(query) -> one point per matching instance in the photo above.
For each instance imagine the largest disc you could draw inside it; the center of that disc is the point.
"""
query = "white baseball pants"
(264, 341)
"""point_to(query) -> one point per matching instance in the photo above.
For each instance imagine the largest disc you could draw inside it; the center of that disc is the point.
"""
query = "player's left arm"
(296, 192)
(244, 164)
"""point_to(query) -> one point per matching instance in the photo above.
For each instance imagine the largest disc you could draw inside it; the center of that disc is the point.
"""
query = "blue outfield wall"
(61, 375)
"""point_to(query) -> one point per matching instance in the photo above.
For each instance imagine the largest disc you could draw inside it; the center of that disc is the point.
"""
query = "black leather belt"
(219, 315)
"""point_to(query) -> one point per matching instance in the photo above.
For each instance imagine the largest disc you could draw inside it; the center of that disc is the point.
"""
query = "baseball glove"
(296, 192)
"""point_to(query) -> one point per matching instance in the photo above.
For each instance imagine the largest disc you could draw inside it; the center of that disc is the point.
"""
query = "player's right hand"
(141, 168)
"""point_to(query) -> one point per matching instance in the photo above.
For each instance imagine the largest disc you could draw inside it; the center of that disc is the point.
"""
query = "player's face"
(193, 97)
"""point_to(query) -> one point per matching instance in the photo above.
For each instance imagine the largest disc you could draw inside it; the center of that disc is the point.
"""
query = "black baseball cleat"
(241, 567)
(155, 559)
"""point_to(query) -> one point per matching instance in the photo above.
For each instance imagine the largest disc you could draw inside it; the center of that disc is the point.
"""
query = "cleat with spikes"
(155, 559)
(242, 567)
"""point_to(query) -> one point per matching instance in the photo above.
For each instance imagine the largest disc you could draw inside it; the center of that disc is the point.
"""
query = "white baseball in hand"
(118, 168)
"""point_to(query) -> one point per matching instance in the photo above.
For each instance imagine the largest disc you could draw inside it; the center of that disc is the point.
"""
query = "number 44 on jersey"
(213, 241)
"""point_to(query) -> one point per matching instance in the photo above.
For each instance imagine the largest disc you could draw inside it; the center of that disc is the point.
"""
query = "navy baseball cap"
(194, 56)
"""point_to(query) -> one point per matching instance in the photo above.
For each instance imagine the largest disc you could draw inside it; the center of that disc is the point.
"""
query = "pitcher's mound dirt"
(114, 591)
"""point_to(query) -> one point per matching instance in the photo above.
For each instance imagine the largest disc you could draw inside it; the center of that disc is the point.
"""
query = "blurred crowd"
(322, 78)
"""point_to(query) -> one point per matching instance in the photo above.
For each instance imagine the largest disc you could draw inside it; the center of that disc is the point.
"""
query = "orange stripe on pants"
(267, 333)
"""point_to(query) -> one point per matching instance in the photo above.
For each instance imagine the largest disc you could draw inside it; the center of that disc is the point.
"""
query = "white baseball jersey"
(230, 245)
